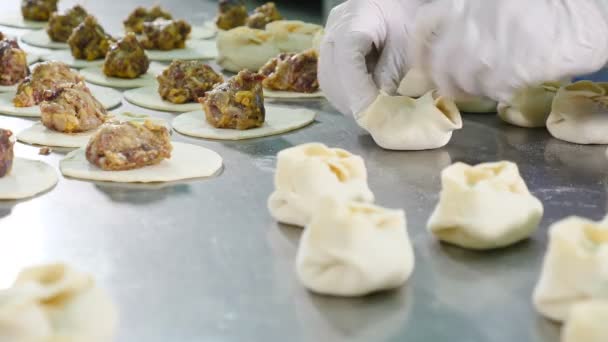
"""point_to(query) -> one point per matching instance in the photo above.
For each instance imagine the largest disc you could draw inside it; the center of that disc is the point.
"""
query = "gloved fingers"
(329, 81)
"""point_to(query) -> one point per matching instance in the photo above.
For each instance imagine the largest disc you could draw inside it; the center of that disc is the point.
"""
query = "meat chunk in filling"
(45, 76)
(6, 152)
(292, 72)
(72, 109)
(263, 15)
(236, 104)
(186, 81)
(89, 41)
(126, 58)
(135, 21)
(232, 13)
(61, 25)
(38, 10)
(129, 145)
(165, 34)
(13, 63)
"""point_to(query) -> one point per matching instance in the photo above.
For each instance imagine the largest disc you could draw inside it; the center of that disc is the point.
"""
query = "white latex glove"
(494, 48)
(364, 51)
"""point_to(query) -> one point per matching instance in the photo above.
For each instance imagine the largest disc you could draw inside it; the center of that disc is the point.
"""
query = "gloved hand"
(495, 48)
(364, 51)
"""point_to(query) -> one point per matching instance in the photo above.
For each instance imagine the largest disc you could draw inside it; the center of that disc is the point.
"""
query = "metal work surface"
(204, 261)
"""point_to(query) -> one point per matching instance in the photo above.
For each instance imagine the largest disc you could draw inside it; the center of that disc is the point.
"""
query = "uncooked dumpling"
(580, 113)
(245, 48)
(484, 206)
(307, 172)
(354, 248)
(587, 322)
(530, 107)
(575, 267)
(54, 301)
(476, 105)
(293, 35)
(404, 123)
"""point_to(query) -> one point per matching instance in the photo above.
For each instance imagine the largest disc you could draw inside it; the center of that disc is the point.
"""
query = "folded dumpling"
(53, 301)
(307, 172)
(404, 123)
(587, 322)
(245, 48)
(353, 249)
(293, 36)
(530, 107)
(580, 113)
(575, 268)
(484, 206)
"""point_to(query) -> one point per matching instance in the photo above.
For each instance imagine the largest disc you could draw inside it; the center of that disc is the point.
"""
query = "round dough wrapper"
(66, 57)
(187, 161)
(194, 50)
(148, 97)
(202, 32)
(38, 134)
(275, 94)
(278, 120)
(587, 322)
(32, 58)
(109, 98)
(95, 75)
(17, 21)
(41, 39)
(27, 178)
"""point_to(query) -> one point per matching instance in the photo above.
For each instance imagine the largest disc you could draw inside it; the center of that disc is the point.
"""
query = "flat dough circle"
(41, 39)
(274, 94)
(18, 22)
(202, 32)
(109, 98)
(187, 161)
(27, 178)
(148, 97)
(66, 57)
(95, 75)
(278, 120)
(194, 50)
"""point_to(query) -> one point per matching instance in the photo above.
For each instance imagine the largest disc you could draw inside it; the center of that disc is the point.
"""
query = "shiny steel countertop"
(204, 261)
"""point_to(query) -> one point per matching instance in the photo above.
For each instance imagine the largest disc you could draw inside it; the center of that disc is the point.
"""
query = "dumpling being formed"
(580, 113)
(307, 172)
(293, 36)
(587, 322)
(354, 249)
(245, 48)
(575, 268)
(530, 107)
(54, 301)
(485, 206)
(404, 123)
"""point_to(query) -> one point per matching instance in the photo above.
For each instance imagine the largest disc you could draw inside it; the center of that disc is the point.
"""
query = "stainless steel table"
(204, 261)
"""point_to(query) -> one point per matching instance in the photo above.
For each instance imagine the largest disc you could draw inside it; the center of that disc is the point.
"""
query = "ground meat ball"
(126, 58)
(129, 145)
(236, 104)
(186, 81)
(38, 10)
(232, 13)
(263, 15)
(72, 109)
(89, 41)
(45, 76)
(292, 72)
(137, 18)
(13, 63)
(6, 152)
(165, 34)
(61, 25)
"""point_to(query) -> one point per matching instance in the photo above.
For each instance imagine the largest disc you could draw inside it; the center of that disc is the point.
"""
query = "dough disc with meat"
(148, 97)
(27, 178)
(109, 98)
(278, 120)
(66, 57)
(187, 161)
(95, 75)
(194, 50)
(41, 39)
